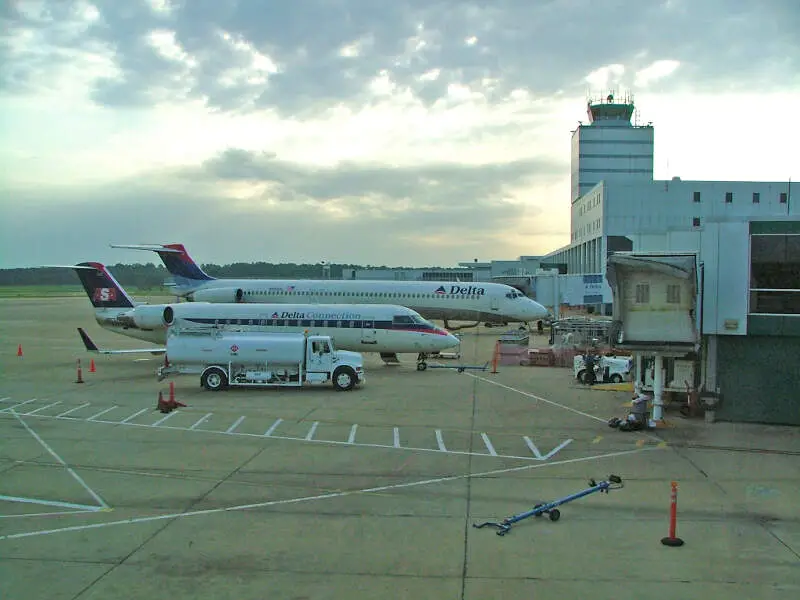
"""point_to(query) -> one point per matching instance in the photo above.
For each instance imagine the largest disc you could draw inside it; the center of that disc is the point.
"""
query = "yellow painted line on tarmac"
(597, 439)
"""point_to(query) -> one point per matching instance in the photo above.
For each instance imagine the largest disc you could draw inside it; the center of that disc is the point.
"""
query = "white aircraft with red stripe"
(482, 302)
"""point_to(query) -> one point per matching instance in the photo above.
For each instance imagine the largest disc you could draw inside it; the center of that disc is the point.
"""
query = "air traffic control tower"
(611, 146)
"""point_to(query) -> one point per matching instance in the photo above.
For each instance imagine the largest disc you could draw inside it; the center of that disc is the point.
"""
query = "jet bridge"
(656, 312)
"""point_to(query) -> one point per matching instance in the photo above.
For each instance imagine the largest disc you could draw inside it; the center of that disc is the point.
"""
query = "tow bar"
(613, 483)
(461, 368)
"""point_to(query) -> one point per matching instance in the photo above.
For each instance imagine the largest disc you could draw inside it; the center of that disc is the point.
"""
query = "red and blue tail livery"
(103, 290)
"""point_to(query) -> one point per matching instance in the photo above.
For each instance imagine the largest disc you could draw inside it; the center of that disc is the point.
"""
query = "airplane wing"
(92, 347)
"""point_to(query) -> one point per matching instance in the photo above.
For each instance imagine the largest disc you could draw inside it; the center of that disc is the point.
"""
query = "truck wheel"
(344, 378)
(214, 380)
(616, 378)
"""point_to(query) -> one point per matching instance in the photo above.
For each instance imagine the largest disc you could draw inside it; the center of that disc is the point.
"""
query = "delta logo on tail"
(104, 295)
(459, 290)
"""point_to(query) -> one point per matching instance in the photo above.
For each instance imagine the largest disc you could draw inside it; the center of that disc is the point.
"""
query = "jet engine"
(217, 295)
(148, 316)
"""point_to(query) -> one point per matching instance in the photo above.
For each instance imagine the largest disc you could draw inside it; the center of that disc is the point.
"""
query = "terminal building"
(745, 235)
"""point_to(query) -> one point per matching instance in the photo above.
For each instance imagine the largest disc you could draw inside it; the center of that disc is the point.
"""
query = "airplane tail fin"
(87, 341)
(177, 260)
(103, 290)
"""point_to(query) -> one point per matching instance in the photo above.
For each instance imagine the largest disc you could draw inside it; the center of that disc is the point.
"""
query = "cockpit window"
(402, 320)
(514, 294)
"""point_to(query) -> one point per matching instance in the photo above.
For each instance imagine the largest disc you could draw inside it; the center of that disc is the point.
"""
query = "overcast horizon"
(407, 133)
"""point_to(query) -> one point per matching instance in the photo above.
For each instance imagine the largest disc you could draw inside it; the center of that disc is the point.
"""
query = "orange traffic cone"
(19, 350)
(161, 404)
(173, 404)
(80, 373)
(91, 367)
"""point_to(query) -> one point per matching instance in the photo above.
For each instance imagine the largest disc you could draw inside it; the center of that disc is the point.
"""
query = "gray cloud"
(438, 213)
(445, 185)
(541, 46)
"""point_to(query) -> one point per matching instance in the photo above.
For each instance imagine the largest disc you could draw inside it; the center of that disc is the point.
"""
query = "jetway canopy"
(656, 299)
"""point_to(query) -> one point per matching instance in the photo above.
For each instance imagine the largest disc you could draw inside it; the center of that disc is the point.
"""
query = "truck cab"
(324, 363)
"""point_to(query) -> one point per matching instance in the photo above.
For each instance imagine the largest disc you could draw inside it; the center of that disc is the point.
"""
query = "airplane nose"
(536, 310)
(448, 340)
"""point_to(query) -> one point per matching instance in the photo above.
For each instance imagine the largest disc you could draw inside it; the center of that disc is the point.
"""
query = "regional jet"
(489, 303)
(386, 329)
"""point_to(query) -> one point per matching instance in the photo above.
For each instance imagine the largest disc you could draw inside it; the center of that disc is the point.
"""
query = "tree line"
(151, 276)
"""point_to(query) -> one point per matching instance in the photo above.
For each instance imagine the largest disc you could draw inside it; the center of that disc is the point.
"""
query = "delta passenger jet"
(385, 329)
(482, 302)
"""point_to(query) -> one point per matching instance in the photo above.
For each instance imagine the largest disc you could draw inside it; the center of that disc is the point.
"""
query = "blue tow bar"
(461, 368)
(614, 483)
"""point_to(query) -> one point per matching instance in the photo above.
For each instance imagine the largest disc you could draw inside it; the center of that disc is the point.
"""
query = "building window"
(673, 294)
(783, 197)
(642, 293)
(775, 274)
(696, 222)
(728, 197)
(697, 196)
(756, 197)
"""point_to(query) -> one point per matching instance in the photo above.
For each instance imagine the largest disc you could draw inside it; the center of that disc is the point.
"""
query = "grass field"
(55, 291)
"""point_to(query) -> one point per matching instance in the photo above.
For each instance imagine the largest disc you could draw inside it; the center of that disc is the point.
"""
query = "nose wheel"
(422, 361)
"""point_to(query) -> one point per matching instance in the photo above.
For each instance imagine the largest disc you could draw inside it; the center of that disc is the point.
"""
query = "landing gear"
(422, 361)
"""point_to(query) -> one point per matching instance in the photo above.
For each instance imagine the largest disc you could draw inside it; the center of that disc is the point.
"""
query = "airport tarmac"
(372, 493)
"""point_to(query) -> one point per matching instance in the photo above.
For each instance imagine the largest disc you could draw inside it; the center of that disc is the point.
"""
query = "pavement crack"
(465, 565)
(149, 538)
(777, 537)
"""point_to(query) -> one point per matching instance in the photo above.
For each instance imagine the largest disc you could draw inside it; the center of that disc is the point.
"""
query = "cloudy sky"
(409, 132)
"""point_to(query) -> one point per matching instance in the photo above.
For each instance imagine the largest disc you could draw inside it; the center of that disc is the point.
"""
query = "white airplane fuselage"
(483, 302)
(371, 328)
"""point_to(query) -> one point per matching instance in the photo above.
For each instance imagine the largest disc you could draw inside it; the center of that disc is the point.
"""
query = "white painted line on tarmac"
(352, 437)
(396, 437)
(53, 453)
(80, 507)
(273, 427)
(551, 402)
(383, 488)
(134, 415)
(93, 509)
(539, 398)
(440, 441)
(4, 398)
(235, 425)
(101, 413)
(303, 439)
(200, 421)
(310, 434)
(533, 448)
(489, 446)
(164, 418)
(11, 408)
(33, 412)
(72, 410)
(556, 449)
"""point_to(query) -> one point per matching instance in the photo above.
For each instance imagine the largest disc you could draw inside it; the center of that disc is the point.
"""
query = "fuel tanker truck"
(224, 358)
